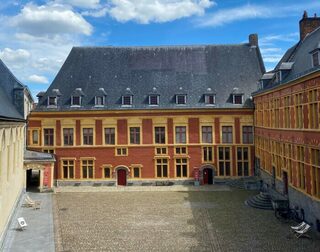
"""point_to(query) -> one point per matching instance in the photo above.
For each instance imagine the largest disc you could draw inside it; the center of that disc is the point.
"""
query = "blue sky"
(36, 36)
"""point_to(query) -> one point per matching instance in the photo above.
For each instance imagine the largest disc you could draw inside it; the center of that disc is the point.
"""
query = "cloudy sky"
(36, 36)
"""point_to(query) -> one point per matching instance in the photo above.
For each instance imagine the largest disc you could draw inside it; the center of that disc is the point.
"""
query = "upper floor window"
(247, 134)
(181, 134)
(209, 99)
(134, 135)
(237, 99)
(52, 101)
(68, 136)
(127, 100)
(35, 137)
(206, 134)
(109, 136)
(227, 134)
(315, 59)
(48, 135)
(75, 100)
(87, 136)
(154, 99)
(160, 135)
(99, 100)
(181, 99)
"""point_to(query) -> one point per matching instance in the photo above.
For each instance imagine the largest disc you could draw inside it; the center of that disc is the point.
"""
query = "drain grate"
(63, 209)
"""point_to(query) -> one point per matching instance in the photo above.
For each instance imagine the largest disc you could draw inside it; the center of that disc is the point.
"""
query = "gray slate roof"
(165, 70)
(299, 57)
(8, 82)
(36, 156)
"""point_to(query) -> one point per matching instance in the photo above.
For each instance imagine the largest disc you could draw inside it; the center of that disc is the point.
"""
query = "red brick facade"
(143, 155)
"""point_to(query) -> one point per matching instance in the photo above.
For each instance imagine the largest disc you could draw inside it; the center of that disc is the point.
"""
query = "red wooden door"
(122, 177)
(205, 176)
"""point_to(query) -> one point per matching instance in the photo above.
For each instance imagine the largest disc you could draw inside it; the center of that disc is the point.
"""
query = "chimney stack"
(253, 39)
(308, 24)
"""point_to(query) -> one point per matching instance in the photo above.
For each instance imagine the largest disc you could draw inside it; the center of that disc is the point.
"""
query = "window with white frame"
(154, 99)
(127, 100)
(209, 99)
(52, 101)
(181, 99)
(99, 100)
(315, 59)
(75, 100)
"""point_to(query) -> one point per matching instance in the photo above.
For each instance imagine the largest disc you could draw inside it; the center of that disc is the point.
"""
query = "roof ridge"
(157, 46)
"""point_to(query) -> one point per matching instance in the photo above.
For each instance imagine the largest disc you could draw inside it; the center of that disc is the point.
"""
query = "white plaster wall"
(12, 175)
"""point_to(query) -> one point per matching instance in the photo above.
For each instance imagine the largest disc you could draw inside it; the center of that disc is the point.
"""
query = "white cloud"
(48, 20)
(226, 16)
(90, 4)
(291, 37)
(38, 79)
(15, 57)
(248, 11)
(97, 13)
(147, 11)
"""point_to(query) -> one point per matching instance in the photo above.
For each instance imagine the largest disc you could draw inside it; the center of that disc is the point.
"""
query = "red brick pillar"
(122, 131)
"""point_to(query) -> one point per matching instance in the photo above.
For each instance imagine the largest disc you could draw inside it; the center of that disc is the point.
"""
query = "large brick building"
(287, 132)
(134, 115)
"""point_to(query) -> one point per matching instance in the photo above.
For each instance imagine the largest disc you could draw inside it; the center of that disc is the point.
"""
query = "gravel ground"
(170, 221)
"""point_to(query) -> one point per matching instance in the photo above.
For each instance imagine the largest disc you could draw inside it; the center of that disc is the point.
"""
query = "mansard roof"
(8, 83)
(296, 62)
(168, 69)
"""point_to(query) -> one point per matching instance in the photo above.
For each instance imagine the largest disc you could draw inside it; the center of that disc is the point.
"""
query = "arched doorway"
(207, 176)
(207, 173)
(121, 172)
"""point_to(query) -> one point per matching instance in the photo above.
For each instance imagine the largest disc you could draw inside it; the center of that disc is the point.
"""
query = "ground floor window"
(51, 151)
(207, 154)
(301, 167)
(224, 161)
(243, 161)
(181, 150)
(315, 172)
(68, 169)
(162, 167)
(181, 167)
(121, 151)
(107, 172)
(136, 172)
(87, 169)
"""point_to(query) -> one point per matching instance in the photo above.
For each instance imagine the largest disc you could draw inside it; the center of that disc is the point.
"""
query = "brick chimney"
(253, 39)
(308, 24)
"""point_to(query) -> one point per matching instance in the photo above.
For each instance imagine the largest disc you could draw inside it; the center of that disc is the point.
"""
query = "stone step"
(261, 201)
(258, 203)
(258, 206)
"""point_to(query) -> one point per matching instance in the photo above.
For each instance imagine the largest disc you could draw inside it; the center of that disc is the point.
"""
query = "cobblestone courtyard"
(169, 221)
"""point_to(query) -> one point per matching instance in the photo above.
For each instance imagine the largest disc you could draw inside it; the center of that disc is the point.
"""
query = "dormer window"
(154, 99)
(99, 100)
(76, 97)
(127, 100)
(100, 97)
(75, 101)
(181, 99)
(209, 99)
(315, 59)
(52, 101)
(278, 76)
(237, 99)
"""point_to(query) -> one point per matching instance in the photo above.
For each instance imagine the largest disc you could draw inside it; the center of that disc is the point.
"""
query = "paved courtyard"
(169, 221)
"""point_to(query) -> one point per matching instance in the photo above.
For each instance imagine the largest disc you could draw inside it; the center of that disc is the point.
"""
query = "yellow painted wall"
(12, 174)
